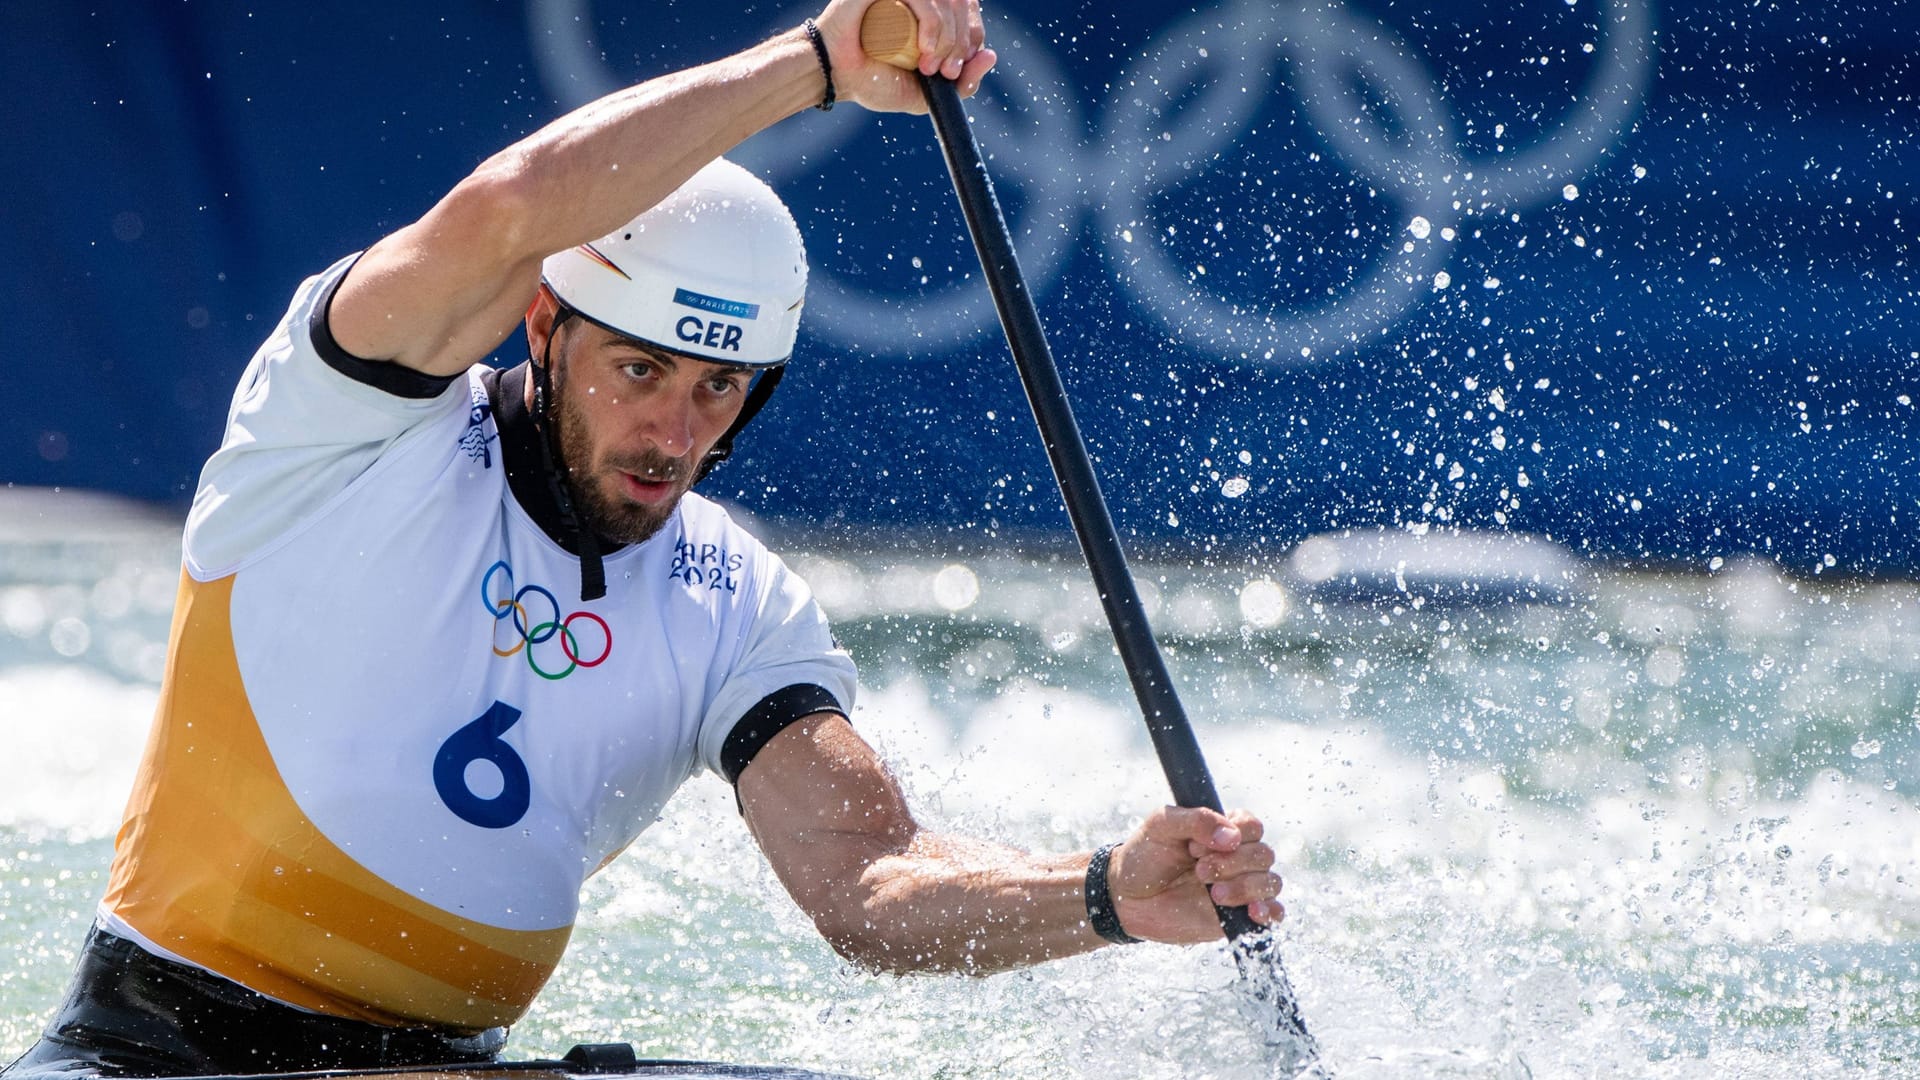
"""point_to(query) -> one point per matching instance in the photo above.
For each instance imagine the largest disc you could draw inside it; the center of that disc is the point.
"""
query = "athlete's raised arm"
(443, 292)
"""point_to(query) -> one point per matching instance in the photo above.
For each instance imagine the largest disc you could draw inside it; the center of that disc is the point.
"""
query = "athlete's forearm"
(950, 904)
(886, 893)
(444, 291)
(585, 174)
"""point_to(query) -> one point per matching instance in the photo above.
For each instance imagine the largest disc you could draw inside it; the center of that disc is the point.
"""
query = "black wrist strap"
(826, 66)
(1100, 912)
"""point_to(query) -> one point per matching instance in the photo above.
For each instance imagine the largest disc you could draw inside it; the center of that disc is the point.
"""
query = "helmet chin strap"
(586, 542)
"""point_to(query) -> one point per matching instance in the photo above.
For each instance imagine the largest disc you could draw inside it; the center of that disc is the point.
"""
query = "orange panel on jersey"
(218, 865)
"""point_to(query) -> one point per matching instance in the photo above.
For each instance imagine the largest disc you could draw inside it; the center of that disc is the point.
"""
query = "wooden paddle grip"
(890, 34)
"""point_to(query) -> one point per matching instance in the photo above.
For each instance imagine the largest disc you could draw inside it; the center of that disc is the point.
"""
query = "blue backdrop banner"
(1638, 276)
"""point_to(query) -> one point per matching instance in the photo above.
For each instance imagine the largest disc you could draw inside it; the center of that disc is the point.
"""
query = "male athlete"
(447, 638)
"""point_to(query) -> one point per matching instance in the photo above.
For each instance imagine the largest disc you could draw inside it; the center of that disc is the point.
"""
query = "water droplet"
(1263, 603)
(956, 587)
(70, 637)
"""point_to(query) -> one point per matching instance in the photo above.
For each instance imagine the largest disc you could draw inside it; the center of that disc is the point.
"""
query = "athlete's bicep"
(440, 294)
(823, 808)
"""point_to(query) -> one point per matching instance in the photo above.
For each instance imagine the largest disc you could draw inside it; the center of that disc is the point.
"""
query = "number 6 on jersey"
(481, 741)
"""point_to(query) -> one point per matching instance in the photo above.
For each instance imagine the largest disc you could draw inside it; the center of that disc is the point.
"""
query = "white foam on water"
(71, 737)
(1441, 925)
(1444, 922)
(1030, 754)
(1349, 796)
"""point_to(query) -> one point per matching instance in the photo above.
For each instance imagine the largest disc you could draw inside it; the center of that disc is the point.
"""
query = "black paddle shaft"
(1167, 723)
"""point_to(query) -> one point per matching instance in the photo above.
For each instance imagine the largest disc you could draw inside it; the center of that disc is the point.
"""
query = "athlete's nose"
(671, 424)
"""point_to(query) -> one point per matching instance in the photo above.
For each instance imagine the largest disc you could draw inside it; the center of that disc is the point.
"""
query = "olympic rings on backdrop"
(1171, 120)
(508, 608)
(1325, 56)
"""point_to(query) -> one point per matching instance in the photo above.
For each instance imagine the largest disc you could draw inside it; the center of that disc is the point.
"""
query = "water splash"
(1268, 1003)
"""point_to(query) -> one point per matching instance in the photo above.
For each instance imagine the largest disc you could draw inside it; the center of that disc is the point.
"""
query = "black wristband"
(1100, 912)
(826, 66)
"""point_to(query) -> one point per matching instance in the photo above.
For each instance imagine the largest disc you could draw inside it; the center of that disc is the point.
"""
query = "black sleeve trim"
(395, 379)
(769, 718)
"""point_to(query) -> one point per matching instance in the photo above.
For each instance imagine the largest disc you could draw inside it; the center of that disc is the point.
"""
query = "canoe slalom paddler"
(448, 637)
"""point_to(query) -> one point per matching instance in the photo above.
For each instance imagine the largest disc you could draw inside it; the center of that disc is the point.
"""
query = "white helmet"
(715, 270)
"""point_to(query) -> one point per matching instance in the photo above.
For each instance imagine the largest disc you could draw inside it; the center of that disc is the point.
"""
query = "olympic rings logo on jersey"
(541, 626)
(1170, 124)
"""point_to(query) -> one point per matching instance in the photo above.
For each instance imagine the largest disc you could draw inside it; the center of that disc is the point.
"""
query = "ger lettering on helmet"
(715, 270)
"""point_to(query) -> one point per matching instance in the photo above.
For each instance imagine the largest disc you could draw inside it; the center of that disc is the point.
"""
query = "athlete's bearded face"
(635, 422)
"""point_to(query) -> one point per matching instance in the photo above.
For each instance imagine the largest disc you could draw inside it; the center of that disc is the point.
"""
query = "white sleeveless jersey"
(392, 741)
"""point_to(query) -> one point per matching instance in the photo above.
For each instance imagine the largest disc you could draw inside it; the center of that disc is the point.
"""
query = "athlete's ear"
(541, 313)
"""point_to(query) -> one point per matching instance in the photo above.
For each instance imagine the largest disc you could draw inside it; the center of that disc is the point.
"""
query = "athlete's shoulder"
(307, 310)
(320, 286)
(308, 430)
(292, 336)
